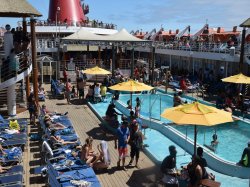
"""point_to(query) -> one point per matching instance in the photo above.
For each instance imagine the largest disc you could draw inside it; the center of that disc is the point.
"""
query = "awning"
(76, 47)
(121, 36)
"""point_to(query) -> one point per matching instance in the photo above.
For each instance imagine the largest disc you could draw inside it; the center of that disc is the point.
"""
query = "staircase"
(20, 99)
(14, 76)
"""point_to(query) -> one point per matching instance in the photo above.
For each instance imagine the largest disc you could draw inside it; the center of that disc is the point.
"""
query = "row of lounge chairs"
(63, 165)
(12, 143)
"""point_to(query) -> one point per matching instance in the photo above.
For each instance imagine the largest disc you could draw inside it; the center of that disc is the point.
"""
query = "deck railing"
(14, 66)
(200, 47)
(91, 23)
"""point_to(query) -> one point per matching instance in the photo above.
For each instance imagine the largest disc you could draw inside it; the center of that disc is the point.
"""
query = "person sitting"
(168, 168)
(138, 100)
(103, 160)
(90, 94)
(49, 124)
(87, 153)
(129, 104)
(195, 172)
(2, 150)
(111, 113)
(14, 125)
(57, 139)
(245, 158)
(177, 99)
(3, 169)
(200, 154)
(183, 84)
(97, 93)
(103, 91)
(116, 95)
(214, 142)
(137, 110)
(45, 111)
(228, 108)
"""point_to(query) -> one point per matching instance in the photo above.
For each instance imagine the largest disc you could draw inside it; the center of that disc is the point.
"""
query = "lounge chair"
(18, 169)
(16, 179)
(86, 174)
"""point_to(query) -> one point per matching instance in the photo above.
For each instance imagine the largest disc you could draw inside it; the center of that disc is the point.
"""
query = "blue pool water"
(232, 137)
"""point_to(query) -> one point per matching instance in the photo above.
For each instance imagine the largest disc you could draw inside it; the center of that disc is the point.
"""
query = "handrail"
(92, 23)
(14, 66)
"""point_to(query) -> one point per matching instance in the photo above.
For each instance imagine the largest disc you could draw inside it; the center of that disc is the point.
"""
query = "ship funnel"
(66, 11)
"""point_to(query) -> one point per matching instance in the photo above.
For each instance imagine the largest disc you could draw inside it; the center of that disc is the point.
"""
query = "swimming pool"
(158, 149)
(232, 137)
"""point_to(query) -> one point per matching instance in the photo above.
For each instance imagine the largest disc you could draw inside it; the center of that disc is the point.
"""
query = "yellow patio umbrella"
(197, 114)
(238, 79)
(131, 86)
(96, 71)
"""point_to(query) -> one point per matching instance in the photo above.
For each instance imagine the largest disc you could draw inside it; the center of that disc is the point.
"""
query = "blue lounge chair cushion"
(16, 178)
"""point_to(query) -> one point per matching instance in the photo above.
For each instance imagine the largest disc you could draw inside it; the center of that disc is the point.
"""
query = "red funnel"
(68, 11)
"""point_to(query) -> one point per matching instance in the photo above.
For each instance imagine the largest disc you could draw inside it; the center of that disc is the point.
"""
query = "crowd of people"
(15, 43)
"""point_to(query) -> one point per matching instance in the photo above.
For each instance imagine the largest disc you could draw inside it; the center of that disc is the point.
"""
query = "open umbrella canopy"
(238, 79)
(197, 114)
(96, 71)
(131, 86)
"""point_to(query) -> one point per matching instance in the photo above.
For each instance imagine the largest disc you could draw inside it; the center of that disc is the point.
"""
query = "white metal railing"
(199, 46)
(14, 66)
(92, 23)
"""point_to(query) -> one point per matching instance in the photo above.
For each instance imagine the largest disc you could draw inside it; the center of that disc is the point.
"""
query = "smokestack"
(67, 11)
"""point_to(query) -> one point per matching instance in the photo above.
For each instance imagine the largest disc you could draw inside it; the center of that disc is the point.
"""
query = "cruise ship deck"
(87, 124)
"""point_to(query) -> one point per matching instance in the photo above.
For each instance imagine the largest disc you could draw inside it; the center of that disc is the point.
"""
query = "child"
(73, 92)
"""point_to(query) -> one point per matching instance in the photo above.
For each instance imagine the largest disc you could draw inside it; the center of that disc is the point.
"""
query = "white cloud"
(179, 13)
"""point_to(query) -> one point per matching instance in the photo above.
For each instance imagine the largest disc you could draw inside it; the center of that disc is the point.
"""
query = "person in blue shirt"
(123, 139)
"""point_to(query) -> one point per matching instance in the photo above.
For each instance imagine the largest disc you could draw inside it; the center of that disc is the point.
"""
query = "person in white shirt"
(97, 93)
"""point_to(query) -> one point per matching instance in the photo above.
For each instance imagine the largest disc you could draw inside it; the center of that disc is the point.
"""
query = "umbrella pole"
(195, 139)
(131, 101)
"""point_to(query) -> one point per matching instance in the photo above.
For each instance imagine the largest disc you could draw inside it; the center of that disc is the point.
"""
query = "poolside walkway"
(87, 124)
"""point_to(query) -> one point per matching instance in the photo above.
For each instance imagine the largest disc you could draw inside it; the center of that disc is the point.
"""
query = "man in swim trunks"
(123, 138)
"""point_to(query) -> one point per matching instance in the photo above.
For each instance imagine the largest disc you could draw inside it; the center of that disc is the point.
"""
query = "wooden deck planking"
(86, 123)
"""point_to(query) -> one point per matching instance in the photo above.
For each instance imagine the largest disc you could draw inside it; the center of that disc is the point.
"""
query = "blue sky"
(149, 14)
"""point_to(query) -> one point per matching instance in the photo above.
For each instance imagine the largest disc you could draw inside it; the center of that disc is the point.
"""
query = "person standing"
(136, 142)
(81, 85)
(65, 75)
(68, 90)
(168, 168)
(32, 107)
(123, 137)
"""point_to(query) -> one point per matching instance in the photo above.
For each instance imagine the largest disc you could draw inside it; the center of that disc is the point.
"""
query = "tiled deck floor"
(87, 124)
